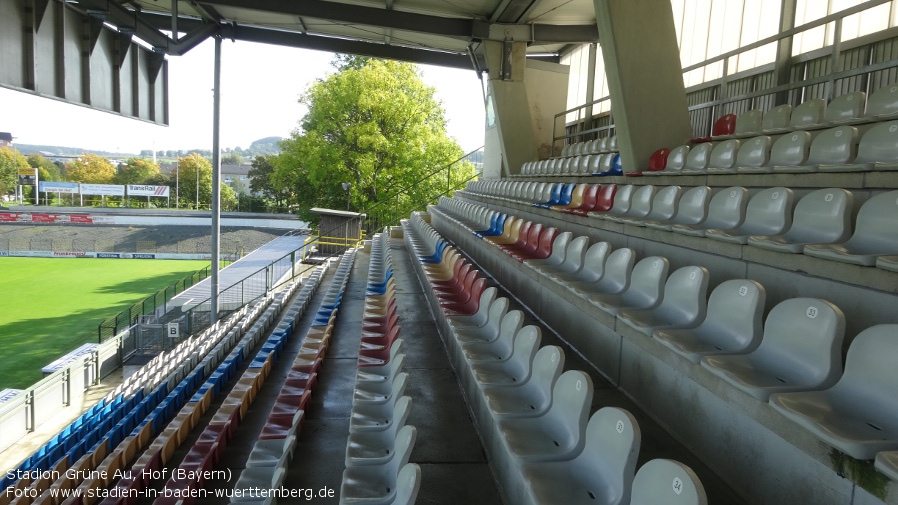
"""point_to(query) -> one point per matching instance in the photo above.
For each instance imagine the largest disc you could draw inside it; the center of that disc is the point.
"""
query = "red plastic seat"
(469, 306)
(543, 246)
(382, 326)
(531, 242)
(725, 125)
(459, 270)
(589, 201)
(375, 354)
(387, 337)
(282, 425)
(306, 366)
(605, 200)
(657, 162)
(463, 294)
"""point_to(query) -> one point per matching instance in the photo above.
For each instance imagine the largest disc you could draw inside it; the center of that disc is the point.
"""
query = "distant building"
(237, 177)
(5, 139)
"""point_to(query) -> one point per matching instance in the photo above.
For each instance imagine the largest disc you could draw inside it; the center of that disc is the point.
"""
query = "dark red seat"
(469, 306)
(463, 293)
(281, 425)
(605, 200)
(531, 242)
(459, 270)
(543, 246)
(588, 202)
(657, 162)
(381, 339)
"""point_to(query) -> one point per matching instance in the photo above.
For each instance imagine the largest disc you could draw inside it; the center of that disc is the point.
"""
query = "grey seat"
(776, 120)
(377, 447)
(723, 157)
(753, 156)
(376, 393)
(859, 414)
(789, 152)
(377, 417)
(683, 305)
(875, 233)
(733, 323)
(889, 263)
(644, 290)
(877, 150)
(676, 160)
(272, 452)
(698, 158)
(622, 200)
(882, 105)
(692, 209)
(836, 146)
(748, 124)
(516, 370)
(530, 397)
(887, 463)
(801, 350)
(478, 318)
(556, 257)
(604, 164)
(664, 207)
(667, 482)
(726, 210)
(498, 349)
(808, 114)
(486, 332)
(615, 275)
(574, 256)
(376, 484)
(602, 474)
(593, 267)
(768, 213)
(640, 206)
(846, 109)
(408, 483)
(820, 217)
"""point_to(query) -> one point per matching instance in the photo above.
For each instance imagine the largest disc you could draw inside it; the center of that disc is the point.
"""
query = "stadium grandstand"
(674, 282)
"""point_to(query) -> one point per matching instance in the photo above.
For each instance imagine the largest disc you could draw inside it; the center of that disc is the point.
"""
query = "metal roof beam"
(124, 18)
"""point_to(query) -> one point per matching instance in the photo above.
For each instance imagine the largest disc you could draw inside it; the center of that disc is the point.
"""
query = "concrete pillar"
(645, 78)
(522, 98)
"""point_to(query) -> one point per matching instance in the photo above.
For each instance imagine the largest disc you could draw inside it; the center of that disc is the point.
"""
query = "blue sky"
(260, 87)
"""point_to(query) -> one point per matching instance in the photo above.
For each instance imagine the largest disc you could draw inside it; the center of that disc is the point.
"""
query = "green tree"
(10, 163)
(232, 159)
(193, 169)
(137, 171)
(46, 169)
(376, 125)
(261, 180)
(90, 169)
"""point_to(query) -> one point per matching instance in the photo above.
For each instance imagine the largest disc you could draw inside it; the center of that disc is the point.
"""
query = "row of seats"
(793, 360)
(543, 444)
(380, 442)
(818, 224)
(599, 165)
(597, 146)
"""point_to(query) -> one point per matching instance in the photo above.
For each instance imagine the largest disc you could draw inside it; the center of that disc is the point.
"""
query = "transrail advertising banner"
(147, 190)
(103, 189)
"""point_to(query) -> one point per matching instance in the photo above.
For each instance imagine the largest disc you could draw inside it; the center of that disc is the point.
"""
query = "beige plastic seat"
(820, 217)
(875, 234)
(801, 350)
(644, 290)
(768, 213)
(602, 474)
(377, 484)
(733, 323)
(692, 209)
(859, 414)
(667, 482)
(683, 305)
(726, 211)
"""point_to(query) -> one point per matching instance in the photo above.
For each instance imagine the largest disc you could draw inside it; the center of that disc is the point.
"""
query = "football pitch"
(49, 306)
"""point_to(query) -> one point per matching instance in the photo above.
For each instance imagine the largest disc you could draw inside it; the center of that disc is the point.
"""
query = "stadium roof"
(440, 32)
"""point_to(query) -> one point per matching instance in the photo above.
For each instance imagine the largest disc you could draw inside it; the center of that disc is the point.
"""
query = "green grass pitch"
(49, 306)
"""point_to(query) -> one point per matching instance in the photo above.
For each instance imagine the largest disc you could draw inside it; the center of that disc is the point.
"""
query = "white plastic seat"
(644, 290)
(877, 150)
(377, 447)
(664, 207)
(820, 217)
(622, 201)
(692, 209)
(376, 417)
(676, 160)
(479, 318)
(859, 414)
(614, 278)
(882, 105)
(274, 452)
(748, 123)
(683, 305)
(377, 393)
(754, 156)
(602, 474)
(808, 114)
(515, 370)
(789, 152)
(698, 158)
(801, 350)
(573, 259)
(486, 332)
(556, 257)
(836, 146)
(875, 233)
(593, 267)
(376, 484)
(846, 109)
(733, 323)
(533, 396)
(497, 350)
(667, 482)
(254, 479)
(408, 483)
(889, 263)
(726, 210)
(723, 157)
(768, 213)
(887, 463)
(776, 120)
(640, 206)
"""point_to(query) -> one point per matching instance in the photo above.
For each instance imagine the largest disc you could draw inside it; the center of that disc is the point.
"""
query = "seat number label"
(677, 485)
(619, 426)
(812, 312)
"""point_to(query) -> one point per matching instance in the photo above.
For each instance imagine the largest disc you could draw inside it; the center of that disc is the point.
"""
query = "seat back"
(727, 208)
(676, 159)
(605, 198)
(665, 203)
(605, 163)
(647, 281)
(514, 231)
(693, 206)
(879, 144)
(510, 326)
(408, 483)
(724, 154)
(754, 152)
(725, 125)
(575, 253)
(611, 144)
(808, 113)
(523, 234)
(769, 212)
(883, 101)
(749, 122)
(595, 164)
(558, 247)
(594, 262)
(877, 221)
(735, 313)
(526, 343)
(577, 196)
(545, 243)
(667, 482)
(777, 117)
(402, 451)
(686, 295)
(547, 366)
(822, 217)
(567, 193)
(555, 198)
(804, 337)
(658, 160)
(616, 167)
(791, 149)
(590, 195)
(497, 312)
(532, 243)
(612, 446)
(699, 156)
(583, 166)
(622, 200)
(617, 272)
(641, 204)
(870, 365)
(834, 146)
(847, 106)
(571, 399)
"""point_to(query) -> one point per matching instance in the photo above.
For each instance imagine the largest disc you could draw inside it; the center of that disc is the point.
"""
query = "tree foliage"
(90, 169)
(46, 169)
(10, 163)
(193, 169)
(138, 171)
(376, 125)
(261, 180)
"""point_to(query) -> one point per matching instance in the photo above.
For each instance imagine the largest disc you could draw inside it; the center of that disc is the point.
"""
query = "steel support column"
(216, 179)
